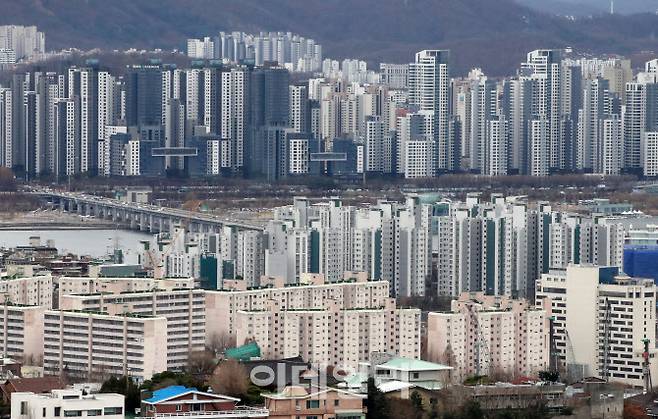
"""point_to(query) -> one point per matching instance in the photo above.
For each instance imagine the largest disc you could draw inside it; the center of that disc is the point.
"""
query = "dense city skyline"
(237, 112)
(322, 235)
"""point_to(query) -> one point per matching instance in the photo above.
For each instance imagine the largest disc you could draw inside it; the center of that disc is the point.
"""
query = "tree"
(219, 342)
(634, 411)
(417, 403)
(125, 386)
(7, 180)
(549, 376)
(376, 402)
(230, 378)
(471, 410)
(169, 378)
(201, 362)
(404, 408)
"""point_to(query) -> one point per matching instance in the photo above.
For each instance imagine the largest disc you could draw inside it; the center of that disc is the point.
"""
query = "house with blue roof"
(178, 402)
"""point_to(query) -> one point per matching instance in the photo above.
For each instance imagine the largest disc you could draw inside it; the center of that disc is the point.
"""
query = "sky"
(621, 6)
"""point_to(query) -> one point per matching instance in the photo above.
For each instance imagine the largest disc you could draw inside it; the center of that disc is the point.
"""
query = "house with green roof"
(415, 372)
(394, 374)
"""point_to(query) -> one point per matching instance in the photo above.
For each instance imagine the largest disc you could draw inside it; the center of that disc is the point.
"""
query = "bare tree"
(448, 358)
(201, 362)
(499, 373)
(7, 180)
(230, 378)
(219, 342)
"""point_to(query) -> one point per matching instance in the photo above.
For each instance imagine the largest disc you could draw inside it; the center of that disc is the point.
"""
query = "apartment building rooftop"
(104, 313)
(608, 275)
(310, 281)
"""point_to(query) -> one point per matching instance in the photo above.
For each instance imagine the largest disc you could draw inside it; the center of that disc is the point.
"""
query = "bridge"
(137, 216)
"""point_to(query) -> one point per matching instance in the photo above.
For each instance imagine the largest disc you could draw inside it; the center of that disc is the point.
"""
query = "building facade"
(487, 335)
(93, 345)
(332, 335)
(601, 322)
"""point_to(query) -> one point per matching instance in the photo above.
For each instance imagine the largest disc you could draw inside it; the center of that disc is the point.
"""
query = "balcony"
(238, 412)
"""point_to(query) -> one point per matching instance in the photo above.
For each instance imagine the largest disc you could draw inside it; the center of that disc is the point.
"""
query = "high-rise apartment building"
(601, 322)
(29, 291)
(93, 345)
(487, 335)
(332, 336)
(355, 291)
(21, 332)
(26, 42)
(429, 86)
(183, 311)
(544, 69)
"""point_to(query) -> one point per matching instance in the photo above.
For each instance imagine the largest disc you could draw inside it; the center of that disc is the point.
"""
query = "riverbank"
(96, 243)
(50, 220)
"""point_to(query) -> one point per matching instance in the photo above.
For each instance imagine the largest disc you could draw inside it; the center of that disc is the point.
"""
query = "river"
(96, 243)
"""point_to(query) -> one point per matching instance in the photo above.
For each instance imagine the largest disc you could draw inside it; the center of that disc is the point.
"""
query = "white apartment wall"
(21, 332)
(27, 405)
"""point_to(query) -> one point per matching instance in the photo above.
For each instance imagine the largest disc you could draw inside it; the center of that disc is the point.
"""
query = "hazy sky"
(621, 6)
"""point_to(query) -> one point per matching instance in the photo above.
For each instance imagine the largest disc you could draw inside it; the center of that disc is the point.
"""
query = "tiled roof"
(34, 385)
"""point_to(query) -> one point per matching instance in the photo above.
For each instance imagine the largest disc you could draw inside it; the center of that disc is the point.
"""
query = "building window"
(113, 411)
(95, 412)
(58, 411)
(179, 407)
(312, 404)
(72, 413)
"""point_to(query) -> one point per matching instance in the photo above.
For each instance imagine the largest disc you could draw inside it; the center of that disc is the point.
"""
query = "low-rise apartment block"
(332, 335)
(601, 322)
(314, 293)
(489, 335)
(66, 403)
(93, 345)
(183, 309)
(21, 332)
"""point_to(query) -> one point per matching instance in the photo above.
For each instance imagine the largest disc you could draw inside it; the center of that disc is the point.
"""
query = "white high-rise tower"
(429, 89)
